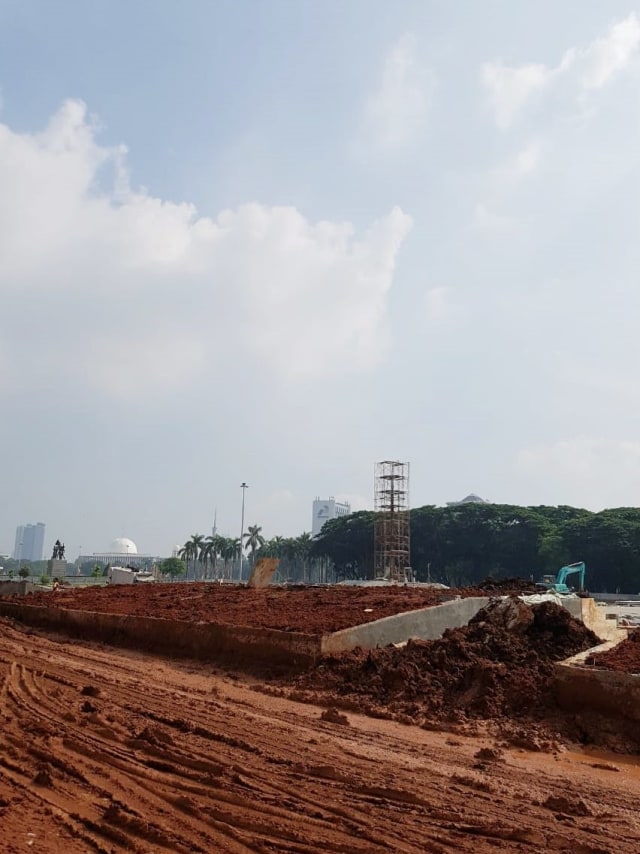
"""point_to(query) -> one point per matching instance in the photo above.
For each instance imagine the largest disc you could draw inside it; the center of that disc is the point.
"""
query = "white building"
(325, 509)
(121, 552)
(468, 499)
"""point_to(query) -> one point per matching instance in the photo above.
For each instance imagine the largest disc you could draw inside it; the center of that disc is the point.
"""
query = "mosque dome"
(123, 546)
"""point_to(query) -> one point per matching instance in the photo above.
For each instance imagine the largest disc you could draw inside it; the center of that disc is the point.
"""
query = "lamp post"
(243, 486)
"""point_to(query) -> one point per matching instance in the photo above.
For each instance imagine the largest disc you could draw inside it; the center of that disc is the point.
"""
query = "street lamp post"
(243, 486)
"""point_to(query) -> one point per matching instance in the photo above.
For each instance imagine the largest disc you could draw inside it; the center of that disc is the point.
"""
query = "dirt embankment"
(313, 610)
(625, 657)
(500, 665)
(113, 751)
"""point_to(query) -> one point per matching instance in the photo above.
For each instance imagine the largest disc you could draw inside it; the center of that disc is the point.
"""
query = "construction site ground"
(313, 610)
(113, 750)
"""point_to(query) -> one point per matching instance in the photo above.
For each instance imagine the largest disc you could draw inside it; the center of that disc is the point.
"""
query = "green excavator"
(558, 583)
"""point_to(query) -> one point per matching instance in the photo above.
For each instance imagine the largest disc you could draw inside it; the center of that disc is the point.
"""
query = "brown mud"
(500, 664)
(105, 750)
(313, 610)
(625, 657)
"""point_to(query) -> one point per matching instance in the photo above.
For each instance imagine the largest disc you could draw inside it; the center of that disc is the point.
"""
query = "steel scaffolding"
(392, 556)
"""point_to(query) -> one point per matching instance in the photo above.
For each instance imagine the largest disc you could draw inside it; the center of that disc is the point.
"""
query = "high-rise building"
(325, 509)
(29, 543)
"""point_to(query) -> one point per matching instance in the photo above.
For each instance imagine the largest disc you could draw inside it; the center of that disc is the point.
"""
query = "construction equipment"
(558, 583)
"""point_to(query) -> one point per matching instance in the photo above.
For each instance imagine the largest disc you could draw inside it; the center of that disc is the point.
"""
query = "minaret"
(214, 530)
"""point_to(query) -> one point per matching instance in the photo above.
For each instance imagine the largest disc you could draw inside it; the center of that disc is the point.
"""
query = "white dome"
(123, 546)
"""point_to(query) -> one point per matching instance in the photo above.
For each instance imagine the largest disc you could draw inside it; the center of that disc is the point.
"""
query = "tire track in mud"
(136, 753)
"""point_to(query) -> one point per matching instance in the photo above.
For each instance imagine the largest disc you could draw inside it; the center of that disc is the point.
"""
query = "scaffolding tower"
(392, 556)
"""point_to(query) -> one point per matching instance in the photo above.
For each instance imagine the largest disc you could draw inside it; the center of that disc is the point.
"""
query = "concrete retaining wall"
(242, 645)
(426, 623)
(595, 618)
(581, 688)
(17, 588)
(234, 644)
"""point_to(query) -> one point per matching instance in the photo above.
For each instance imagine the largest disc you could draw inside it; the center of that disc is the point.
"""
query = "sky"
(273, 242)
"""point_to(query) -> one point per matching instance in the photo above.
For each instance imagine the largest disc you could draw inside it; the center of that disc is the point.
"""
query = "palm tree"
(192, 550)
(254, 540)
(229, 551)
(211, 550)
(275, 547)
(186, 553)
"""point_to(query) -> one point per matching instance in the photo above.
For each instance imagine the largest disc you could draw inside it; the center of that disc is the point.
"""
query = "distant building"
(472, 498)
(325, 509)
(29, 543)
(121, 552)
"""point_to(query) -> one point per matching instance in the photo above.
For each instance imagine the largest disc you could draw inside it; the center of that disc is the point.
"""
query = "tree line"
(465, 543)
(221, 558)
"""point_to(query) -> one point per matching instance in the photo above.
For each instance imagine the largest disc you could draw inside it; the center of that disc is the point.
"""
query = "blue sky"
(276, 241)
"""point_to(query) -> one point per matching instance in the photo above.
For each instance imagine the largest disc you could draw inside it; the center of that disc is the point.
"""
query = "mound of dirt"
(311, 610)
(625, 657)
(501, 664)
(499, 587)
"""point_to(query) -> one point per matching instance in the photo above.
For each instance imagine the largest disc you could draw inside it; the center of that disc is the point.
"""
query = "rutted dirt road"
(108, 750)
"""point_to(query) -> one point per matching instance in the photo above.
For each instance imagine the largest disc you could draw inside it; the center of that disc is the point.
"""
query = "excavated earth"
(107, 750)
(625, 657)
(313, 610)
(499, 665)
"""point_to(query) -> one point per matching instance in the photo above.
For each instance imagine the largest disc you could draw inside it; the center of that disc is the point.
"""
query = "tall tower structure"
(391, 553)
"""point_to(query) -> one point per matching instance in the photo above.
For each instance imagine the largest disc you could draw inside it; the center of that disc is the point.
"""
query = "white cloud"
(584, 470)
(395, 113)
(607, 56)
(500, 185)
(132, 295)
(510, 88)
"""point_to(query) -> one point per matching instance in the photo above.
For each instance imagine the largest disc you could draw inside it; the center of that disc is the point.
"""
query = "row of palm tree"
(214, 556)
(297, 561)
(209, 556)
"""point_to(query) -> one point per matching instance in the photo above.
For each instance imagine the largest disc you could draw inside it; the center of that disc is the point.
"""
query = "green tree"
(211, 551)
(229, 551)
(173, 567)
(191, 551)
(25, 572)
(253, 541)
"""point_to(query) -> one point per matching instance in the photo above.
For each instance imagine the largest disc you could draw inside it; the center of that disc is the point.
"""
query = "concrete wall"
(595, 619)
(426, 623)
(17, 588)
(581, 688)
(234, 644)
(243, 645)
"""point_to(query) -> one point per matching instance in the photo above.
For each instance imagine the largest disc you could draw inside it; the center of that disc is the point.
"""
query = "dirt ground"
(499, 665)
(625, 657)
(313, 610)
(109, 750)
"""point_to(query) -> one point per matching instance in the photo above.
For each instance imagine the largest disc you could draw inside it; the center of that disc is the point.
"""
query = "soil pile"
(312, 610)
(625, 657)
(498, 587)
(501, 664)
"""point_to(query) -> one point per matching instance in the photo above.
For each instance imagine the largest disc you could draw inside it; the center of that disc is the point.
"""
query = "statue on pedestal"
(58, 551)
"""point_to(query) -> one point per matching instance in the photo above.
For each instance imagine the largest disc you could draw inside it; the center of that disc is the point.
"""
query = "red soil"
(500, 664)
(179, 757)
(313, 610)
(625, 657)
